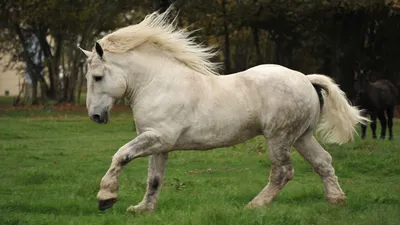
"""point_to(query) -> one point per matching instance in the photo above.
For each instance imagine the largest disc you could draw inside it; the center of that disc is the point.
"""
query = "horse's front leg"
(390, 114)
(363, 131)
(147, 143)
(382, 120)
(363, 128)
(156, 171)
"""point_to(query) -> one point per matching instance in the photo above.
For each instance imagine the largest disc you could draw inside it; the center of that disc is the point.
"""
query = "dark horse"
(375, 98)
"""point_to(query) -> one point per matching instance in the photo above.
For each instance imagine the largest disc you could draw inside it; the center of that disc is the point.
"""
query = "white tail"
(338, 117)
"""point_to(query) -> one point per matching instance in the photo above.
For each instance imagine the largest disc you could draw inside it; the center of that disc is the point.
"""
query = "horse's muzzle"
(106, 204)
(100, 118)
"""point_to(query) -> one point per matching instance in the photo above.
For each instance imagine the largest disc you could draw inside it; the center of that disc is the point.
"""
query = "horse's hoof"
(257, 203)
(252, 206)
(382, 138)
(106, 204)
(337, 200)
(139, 209)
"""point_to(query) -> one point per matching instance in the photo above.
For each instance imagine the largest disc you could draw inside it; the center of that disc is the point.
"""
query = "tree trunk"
(227, 54)
(43, 89)
(52, 62)
(256, 35)
(57, 61)
(41, 36)
(278, 51)
(35, 100)
(288, 55)
(65, 88)
(73, 76)
(18, 98)
(65, 81)
(81, 78)
(257, 44)
(33, 70)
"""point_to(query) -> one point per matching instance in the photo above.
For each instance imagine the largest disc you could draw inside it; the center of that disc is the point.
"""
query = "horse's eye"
(97, 78)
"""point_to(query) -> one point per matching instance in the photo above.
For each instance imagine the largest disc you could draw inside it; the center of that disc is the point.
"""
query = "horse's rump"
(388, 92)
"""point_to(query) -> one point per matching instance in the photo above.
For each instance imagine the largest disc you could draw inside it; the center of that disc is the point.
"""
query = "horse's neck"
(151, 71)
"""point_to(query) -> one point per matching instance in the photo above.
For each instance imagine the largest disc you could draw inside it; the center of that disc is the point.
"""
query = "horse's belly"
(204, 139)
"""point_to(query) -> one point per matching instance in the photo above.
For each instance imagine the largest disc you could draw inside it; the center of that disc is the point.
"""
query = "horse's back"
(289, 99)
(274, 80)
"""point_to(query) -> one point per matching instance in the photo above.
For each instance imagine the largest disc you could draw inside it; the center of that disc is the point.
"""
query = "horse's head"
(105, 82)
(360, 81)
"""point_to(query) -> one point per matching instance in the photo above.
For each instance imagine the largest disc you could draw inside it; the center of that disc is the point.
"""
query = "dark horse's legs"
(363, 130)
(373, 124)
(382, 120)
(363, 127)
(390, 114)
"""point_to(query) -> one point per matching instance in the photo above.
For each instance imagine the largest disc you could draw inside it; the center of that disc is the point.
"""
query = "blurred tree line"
(311, 36)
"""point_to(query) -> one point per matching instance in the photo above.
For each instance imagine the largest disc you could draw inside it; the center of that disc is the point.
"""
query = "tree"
(309, 36)
(72, 22)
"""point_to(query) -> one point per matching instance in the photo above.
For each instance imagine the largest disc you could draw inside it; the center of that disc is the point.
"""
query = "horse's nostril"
(96, 117)
(99, 117)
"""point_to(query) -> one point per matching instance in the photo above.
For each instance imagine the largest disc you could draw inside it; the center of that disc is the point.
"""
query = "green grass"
(52, 163)
(6, 100)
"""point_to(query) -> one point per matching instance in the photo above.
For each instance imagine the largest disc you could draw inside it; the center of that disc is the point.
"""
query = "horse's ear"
(99, 49)
(87, 53)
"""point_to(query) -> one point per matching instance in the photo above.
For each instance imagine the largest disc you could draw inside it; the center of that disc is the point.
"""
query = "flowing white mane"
(156, 29)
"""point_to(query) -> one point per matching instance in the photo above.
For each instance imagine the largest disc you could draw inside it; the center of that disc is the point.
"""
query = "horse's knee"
(290, 173)
(121, 158)
(281, 175)
(323, 164)
(323, 158)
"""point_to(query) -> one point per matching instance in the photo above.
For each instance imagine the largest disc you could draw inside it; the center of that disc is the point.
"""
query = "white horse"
(180, 103)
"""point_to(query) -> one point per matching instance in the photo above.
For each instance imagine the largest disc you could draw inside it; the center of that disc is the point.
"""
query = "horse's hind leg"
(382, 120)
(390, 114)
(281, 172)
(321, 161)
(373, 124)
(363, 129)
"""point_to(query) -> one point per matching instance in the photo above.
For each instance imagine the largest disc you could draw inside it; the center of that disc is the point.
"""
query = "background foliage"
(310, 36)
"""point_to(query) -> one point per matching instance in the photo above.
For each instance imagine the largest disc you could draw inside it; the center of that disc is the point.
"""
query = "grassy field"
(52, 163)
